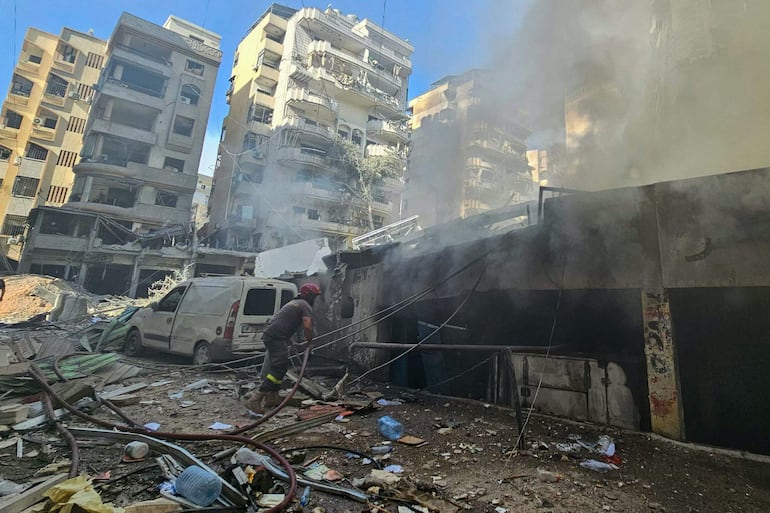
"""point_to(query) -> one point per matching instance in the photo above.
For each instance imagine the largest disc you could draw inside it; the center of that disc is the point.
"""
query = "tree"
(367, 171)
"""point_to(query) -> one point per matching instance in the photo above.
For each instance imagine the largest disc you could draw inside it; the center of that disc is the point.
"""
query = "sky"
(449, 36)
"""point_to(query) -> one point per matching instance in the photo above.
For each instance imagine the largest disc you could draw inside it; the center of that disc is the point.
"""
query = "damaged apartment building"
(643, 308)
(41, 129)
(316, 97)
(128, 219)
(468, 155)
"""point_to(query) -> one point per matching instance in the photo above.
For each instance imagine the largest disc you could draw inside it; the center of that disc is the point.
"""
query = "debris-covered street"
(456, 454)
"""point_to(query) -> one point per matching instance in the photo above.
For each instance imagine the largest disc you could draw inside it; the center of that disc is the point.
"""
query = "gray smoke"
(655, 90)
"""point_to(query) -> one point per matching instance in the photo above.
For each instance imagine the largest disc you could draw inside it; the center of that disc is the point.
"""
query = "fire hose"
(232, 436)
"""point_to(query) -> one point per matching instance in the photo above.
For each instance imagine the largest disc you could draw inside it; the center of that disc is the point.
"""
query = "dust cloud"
(629, 92)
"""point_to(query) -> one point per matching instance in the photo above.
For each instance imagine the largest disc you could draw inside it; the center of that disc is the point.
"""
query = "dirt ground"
(471, 463)
(18, 303)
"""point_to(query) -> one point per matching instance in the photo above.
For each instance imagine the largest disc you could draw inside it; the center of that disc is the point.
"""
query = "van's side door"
(202, 315)
(156, 329)
(258, 307)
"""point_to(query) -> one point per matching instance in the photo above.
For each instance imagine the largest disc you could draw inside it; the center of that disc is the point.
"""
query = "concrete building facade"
(467, 156)
(302, 83)
(43, 119)
(128, 219)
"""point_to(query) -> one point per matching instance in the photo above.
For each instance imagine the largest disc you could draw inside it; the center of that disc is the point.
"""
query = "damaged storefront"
(636, 308)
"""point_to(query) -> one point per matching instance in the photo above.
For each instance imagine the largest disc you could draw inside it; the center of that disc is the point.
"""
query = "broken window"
(357, 137)
(119, 152)
(36, 152)
(190, 94)
(25, 186)
(67, 53)
(109, 193)
(57, 86)
(171, 301)
(165, 199)
(260, 302)
(133, 115)
(313, 214)
(5, 153)
(21, 86)
(261, 114)
(183, 126)
(173, 164)
(13, 119)
(139, 79)
(194, 67)
(14, 225)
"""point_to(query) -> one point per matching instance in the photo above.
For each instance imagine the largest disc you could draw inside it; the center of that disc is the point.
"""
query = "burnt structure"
(648, 303)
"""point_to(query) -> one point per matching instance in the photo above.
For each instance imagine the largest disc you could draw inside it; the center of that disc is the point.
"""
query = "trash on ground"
(598, 466)
(390, 428)
(198, 485)
(152, 426)
(220, 426)
(78, 494)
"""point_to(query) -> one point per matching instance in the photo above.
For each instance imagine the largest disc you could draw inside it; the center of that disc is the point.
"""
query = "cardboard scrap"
(412, 440)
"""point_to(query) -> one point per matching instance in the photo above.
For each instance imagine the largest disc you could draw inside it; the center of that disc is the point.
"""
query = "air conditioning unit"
(74, 95)
(13, 240)
(17, 161)
(89, 101)
(185, 100)
(37, 121)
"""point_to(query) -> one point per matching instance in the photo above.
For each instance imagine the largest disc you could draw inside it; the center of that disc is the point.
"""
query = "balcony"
(31, 168)
(295, 123)
(62, 65)
(273, 47)
(255, 156)
(4, 164)
(149, 97)
(393, 184)
(259, 128)
(108, 126)
(268, 75)
(19, 98)
(325, 192)
(28, 67)
(8, 132)
(499, 149)
(155, 63)
(357, 61)
(305, 100)
(301, 156)
(264, 100)
(44, 133)
(382, 150)
(177, 142)
(162, 178)
(387, 130)
(329, 227)
(60, 242)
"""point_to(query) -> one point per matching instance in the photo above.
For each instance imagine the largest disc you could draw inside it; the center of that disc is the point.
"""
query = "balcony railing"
(302, 124)
(302, 156)
(387, 128)
(136, 87)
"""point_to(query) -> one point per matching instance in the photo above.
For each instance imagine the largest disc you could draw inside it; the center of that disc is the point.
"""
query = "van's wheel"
(133, 345)
(202, 354)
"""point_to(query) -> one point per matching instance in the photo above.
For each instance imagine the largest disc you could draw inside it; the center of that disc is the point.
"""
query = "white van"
(210, 319)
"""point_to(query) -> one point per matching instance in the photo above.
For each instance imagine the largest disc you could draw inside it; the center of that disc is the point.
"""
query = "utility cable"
(438, 328)
(37, 375)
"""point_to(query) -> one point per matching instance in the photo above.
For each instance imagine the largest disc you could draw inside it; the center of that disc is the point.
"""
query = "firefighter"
(295, 314)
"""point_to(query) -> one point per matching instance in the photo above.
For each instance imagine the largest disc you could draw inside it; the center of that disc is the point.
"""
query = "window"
(76, 125)
(94, 60)
(165, 199)
(183, 126)
(190, 94)
(49, 122)
(14, 225)
(36, 152)
(313, 214)
(171, 301)
(286, 296)
(67, 53)
(36, 59)
(57, 86)
(5, 153)
(12, 119)
(57, 194)
(261, 114)
(67, 158)
(194, 67)
(21, 86)
(196, 39)
(173, 164)
(25, 186)
(260, 302)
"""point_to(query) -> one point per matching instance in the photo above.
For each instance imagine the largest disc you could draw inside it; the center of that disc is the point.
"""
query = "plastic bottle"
(381, 449)
(390, 428)
(305, 499)
(199, 486)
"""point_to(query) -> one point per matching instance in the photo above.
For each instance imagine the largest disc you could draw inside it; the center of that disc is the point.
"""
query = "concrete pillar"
(662, 377)
(85, 197)
(135, 277)
(666, 411)
(82, 274)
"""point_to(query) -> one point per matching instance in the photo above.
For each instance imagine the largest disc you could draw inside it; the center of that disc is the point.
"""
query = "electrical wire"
(438, 328)
(37, 375)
